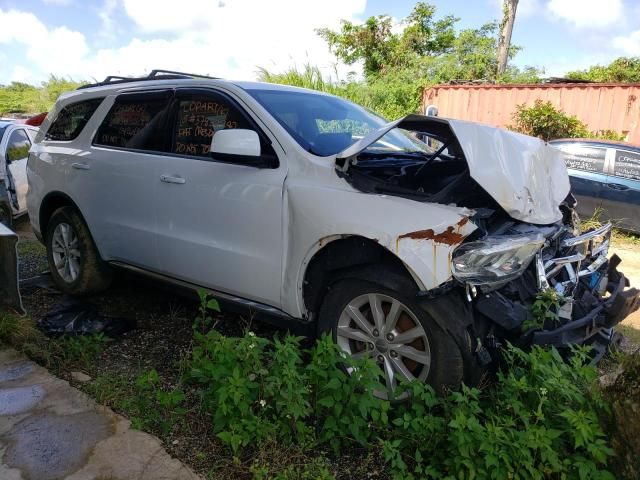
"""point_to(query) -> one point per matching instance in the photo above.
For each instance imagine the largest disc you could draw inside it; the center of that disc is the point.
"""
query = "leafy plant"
(149, 405)
(544, 309)
(536, 423)
(547, 122)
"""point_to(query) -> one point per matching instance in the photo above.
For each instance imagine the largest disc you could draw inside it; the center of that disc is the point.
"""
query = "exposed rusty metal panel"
(602, 106)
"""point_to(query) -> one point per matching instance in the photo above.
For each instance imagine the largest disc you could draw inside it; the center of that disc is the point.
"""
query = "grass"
(633, 334)
(58, 354)
(619, 238)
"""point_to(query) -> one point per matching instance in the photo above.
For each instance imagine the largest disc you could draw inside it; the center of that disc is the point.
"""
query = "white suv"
(422, 242)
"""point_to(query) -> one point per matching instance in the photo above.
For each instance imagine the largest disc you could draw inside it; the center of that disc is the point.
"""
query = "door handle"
(170, 179)
(80, 166)
(617, 186)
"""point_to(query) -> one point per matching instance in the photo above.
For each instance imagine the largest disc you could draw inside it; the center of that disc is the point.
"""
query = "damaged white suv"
(421, 243)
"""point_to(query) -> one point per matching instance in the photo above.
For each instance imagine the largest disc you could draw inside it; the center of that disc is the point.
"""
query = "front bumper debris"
(597, 324)
(584, 276)
(9, 292)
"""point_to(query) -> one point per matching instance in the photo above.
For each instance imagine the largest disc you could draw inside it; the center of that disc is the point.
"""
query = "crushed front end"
(512, 269)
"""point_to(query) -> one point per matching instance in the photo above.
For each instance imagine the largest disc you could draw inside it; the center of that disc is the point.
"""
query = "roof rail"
(156, 74)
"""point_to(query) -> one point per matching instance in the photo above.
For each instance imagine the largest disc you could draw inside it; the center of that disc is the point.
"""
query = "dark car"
(604, 175)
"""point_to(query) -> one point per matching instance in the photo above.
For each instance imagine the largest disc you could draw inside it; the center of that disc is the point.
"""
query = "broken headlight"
(495, 259)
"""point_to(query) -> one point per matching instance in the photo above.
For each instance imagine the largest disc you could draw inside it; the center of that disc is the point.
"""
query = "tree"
(506, 28)
(427, 50)
(382, 50)
(623, 69)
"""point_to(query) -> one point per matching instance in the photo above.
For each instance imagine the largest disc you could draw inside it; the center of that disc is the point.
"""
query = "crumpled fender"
(422, 235)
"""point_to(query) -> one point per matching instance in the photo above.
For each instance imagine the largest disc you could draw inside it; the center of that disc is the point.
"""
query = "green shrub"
(537, 422)
(545, 121)
(259, 391)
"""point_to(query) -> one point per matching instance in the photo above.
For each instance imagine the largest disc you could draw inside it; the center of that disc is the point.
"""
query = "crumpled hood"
(525, 175)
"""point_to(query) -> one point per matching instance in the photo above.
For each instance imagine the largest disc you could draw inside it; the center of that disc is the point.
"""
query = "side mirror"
(235, 141)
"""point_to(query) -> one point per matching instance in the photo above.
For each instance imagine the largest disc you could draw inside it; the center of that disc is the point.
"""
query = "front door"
(219, 223)
(16, 155)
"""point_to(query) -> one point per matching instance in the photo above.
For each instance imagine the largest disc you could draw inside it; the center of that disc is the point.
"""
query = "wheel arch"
(337, 257)
(49, 204)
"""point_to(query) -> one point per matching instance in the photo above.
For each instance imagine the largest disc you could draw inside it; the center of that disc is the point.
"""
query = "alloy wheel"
(385, 329)
(65, 252)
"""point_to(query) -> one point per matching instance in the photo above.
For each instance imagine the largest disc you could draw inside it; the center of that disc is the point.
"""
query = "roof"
(596, 141)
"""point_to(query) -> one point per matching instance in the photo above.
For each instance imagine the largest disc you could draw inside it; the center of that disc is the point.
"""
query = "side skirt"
(260, 311)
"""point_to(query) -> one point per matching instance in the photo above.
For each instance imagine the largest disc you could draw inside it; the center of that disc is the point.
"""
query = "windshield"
(325, 125)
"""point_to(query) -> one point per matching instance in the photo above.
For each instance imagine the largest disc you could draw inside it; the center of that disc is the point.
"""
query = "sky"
(90, 39)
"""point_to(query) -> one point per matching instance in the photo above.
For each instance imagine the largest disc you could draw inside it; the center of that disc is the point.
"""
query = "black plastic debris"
(72, 317)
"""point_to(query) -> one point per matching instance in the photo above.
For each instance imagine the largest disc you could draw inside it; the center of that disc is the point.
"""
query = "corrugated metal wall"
(602, 106)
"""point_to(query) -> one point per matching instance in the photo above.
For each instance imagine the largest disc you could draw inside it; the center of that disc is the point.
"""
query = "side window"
(198, 116)
(627, 164)
(581, 157)
(72, 119)
(18, 146)
(137, 121)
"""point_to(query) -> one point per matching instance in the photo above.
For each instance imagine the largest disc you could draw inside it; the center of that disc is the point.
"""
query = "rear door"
(587, 173)
(120, 176)
(16, 153)
(622, 195)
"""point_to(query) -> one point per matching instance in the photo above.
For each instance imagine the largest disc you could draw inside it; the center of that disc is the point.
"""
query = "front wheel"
(369, 320)
(76, 266)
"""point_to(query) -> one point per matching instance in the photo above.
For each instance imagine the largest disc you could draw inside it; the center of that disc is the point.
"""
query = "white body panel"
(251, 232)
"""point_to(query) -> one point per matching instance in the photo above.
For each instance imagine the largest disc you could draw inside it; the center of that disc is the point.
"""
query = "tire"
(76, 266)
(435, 357)
(6, 216)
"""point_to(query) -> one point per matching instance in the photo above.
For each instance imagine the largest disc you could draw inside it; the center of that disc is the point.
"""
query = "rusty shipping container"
(602, 106)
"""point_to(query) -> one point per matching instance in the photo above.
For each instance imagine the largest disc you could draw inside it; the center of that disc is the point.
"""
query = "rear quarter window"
(627, 164)
(72, 119)
(584, 158)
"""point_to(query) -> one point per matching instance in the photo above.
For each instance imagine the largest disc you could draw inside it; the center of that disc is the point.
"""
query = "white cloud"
(630, 44)
(229, 39)
(59, 3)
(587, 13)
(46, 49)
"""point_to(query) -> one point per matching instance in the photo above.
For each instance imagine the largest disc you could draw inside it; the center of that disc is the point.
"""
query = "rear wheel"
(370, 320)
(76, 266)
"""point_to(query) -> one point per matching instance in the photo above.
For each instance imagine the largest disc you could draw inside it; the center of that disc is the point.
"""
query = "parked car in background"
(315, 212)
(15, 142)
(604, 175)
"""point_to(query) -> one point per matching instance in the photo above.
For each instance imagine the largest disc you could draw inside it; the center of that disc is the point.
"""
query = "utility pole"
(506, 28)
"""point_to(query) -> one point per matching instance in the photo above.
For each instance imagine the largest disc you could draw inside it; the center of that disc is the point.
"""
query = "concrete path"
(49, 431)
